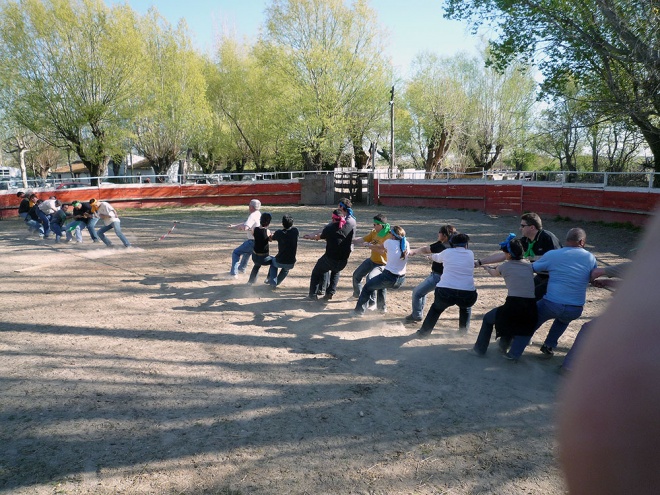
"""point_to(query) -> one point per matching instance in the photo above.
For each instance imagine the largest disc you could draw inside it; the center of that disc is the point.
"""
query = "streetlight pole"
(391, 132)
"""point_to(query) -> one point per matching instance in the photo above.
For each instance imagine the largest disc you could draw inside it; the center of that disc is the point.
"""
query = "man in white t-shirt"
(241, 255)
(110, 220)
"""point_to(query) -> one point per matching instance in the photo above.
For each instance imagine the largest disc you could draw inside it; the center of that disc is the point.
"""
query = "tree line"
(313, 92)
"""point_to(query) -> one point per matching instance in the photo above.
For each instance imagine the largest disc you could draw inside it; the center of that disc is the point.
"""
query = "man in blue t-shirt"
(569, 269)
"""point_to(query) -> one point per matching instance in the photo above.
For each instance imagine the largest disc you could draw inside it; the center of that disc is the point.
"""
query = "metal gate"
(355, 186)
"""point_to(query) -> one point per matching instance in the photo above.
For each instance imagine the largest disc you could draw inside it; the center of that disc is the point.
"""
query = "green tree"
(608, 46)
(327, 52)
(251, 100)
(500, 106)
(172, 103)
(69, 70)
(437, 105)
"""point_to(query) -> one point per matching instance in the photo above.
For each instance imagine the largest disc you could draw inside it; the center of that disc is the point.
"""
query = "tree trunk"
(437, 149)
(652, 135)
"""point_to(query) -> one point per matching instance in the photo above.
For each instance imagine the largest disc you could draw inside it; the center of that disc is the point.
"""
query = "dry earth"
(143, 370)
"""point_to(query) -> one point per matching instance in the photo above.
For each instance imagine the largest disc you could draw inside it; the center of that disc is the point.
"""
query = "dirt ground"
(146, 370)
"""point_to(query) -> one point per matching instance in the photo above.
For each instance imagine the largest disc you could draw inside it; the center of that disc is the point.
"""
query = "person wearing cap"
(456, 286)
(428, 284)
(396, 249)
(536, 242)
(570, 274)
(375, 264)
(518, 315)
(110, 220)
(241, 255)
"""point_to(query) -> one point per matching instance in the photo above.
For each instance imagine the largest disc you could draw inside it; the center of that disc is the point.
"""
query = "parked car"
(71, 185)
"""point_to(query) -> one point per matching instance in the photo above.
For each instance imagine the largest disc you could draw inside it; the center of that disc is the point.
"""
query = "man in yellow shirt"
(375, 264)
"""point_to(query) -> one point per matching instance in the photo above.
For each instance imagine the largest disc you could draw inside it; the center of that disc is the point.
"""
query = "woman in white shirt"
(394, 273)
(456, 286)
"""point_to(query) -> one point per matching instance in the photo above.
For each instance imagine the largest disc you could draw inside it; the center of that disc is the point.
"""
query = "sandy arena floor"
(145, 370)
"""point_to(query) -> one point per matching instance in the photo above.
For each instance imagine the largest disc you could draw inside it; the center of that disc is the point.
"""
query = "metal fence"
(561, 178)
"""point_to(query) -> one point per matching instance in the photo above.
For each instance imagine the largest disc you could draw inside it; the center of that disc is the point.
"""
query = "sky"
(413, 25)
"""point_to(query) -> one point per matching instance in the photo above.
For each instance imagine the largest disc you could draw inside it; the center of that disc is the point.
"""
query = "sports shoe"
(412, 319)
(547, 351)
(357, 314)
(509, 357)
(371, 305)
(312, 297)
(382, 310)
(462, 330)
(328, 297)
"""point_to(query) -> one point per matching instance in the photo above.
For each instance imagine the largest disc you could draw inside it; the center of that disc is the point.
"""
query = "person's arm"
(421, 250)
(493, 271)
(498, 257)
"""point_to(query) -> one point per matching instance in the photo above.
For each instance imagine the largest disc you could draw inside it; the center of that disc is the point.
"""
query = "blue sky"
(413, 25)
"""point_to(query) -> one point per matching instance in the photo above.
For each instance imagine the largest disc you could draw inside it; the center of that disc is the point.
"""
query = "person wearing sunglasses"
(536, 241)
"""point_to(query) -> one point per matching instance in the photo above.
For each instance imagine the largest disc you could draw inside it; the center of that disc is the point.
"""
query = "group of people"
(545, 280)
(67, 220)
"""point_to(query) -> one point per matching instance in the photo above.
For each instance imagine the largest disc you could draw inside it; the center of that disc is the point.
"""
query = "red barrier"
(169, 195)
(634, 207)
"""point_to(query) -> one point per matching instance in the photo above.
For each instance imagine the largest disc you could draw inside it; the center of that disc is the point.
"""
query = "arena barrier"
(622, 205)
(612, 205)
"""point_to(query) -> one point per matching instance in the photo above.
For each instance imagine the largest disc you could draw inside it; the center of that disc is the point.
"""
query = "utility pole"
(391, 132)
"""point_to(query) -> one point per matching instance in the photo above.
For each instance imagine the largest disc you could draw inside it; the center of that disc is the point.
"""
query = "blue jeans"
(274, 278)
(45, 221)
(90, 227)
(241, 256)
(419, 294)
(114, 225)
(34, 225)
(323, 266)
(563, 314)
(258, 261)
(445, 298)
(487, 325)
(59, 230)
(368, 269)
(379, 283)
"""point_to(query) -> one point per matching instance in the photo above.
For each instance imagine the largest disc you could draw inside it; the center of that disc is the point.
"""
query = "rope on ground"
(168, 232)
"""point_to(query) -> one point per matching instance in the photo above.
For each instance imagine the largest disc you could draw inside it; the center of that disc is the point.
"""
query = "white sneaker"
(371, 306)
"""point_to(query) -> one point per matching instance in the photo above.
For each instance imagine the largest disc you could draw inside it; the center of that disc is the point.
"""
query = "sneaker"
(382, 310)
(475, 352)
(547, 351)
(371, 306)
(412, 319)
(462, 329)
(357, 314)
(509, 357)
(503, 345)
(312, 297)
(327, 297)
